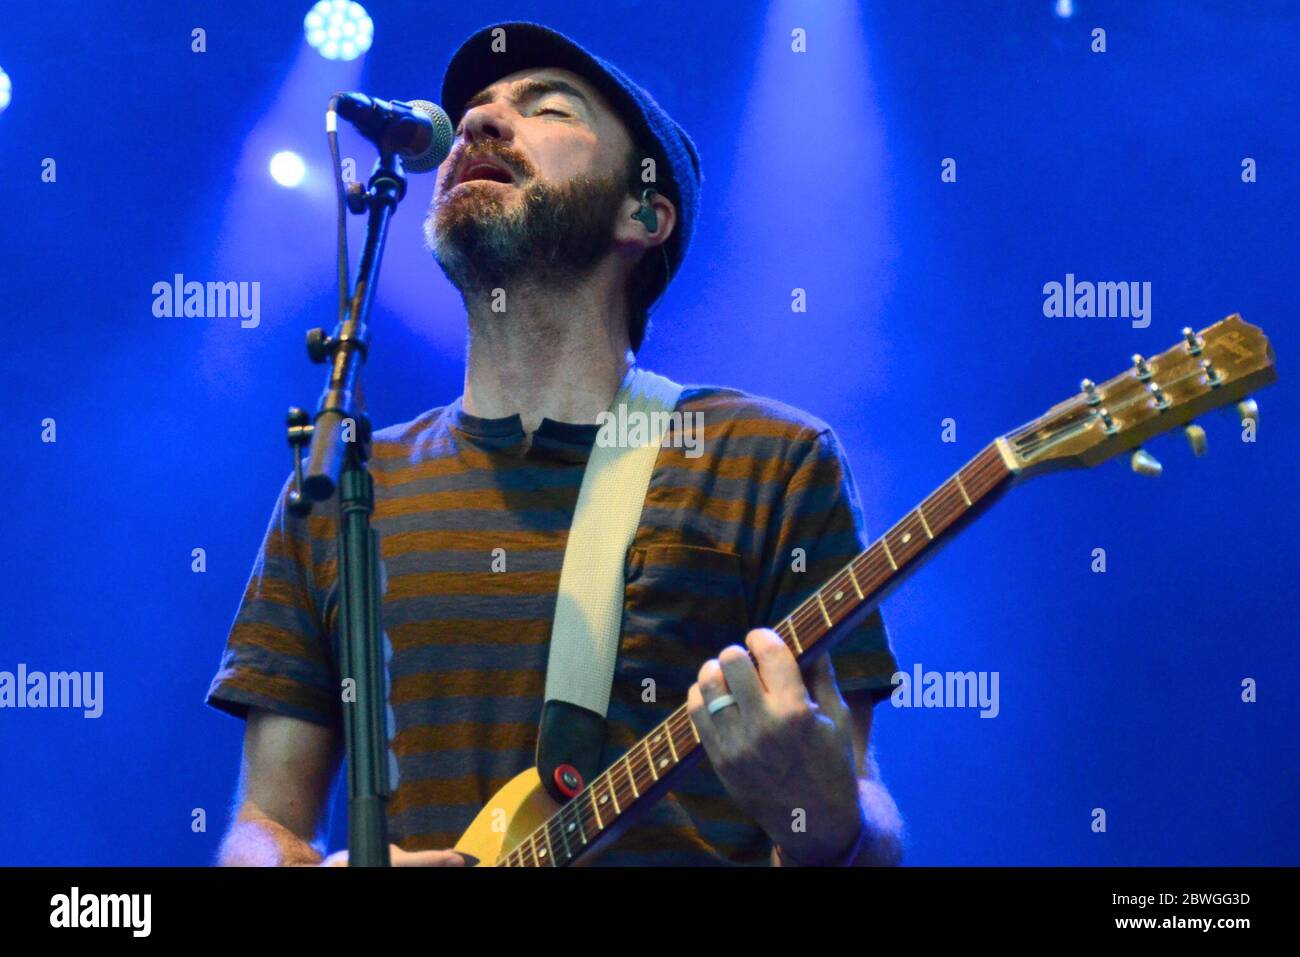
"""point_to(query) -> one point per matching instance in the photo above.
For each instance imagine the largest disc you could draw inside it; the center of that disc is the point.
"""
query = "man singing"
(561, 214)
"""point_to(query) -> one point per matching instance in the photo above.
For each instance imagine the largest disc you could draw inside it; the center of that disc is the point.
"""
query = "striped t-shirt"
(472, 519)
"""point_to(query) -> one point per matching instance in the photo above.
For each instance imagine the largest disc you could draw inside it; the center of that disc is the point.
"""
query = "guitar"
(521, 826)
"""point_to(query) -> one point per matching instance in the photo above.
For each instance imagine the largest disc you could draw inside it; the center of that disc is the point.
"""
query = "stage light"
(1064, 8)
(6, 87)
(287, 168)
(339, 29)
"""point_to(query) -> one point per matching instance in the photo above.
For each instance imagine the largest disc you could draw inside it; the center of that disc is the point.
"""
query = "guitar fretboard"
(601, 811)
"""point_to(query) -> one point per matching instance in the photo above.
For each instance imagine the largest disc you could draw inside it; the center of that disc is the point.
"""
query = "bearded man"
(562, 212)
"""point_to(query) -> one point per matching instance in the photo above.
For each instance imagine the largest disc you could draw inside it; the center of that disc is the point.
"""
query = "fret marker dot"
(541, 852)
(663, 762)
(839, 595)
(907, 537)
(603, 798)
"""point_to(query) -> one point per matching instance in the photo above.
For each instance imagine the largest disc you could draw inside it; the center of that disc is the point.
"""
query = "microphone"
(418, 131)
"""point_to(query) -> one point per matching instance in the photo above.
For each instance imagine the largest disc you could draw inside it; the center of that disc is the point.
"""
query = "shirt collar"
(567, 441)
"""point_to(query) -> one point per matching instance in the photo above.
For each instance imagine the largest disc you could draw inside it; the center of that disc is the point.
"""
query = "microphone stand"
(339, 440)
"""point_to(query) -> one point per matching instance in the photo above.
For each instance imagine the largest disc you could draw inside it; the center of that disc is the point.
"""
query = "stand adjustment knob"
(319, 345)
(300, 430)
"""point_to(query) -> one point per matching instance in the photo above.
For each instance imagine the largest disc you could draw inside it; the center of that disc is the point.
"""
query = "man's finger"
(403, 858)
(741, 677)
(400, 858)
(704, 726)
(776, 664)
(824, 689)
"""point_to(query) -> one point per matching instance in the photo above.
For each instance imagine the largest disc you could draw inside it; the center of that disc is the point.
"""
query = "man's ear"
(631, 230)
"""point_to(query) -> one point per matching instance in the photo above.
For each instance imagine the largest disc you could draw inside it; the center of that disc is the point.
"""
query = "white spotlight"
(339, 29)
(287, 168)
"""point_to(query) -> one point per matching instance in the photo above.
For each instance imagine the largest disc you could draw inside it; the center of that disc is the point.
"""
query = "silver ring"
(720, 702)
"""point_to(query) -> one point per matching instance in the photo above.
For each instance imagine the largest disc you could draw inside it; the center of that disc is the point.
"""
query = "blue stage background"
(1119, 691)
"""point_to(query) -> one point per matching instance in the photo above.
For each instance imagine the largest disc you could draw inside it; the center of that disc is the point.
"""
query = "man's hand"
(779, 753)
(401, 858)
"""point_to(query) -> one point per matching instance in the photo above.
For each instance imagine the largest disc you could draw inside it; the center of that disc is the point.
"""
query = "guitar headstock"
(1216, 367)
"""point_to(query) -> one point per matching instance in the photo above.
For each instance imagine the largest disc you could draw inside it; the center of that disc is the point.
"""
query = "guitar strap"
(589, 606)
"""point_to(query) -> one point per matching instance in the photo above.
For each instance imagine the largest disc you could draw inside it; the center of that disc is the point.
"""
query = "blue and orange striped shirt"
(472, 520)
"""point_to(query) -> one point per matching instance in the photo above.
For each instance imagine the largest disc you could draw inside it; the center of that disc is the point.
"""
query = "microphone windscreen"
(440, 145)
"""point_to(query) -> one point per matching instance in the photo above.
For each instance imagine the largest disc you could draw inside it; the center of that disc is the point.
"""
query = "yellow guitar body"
(513, 813)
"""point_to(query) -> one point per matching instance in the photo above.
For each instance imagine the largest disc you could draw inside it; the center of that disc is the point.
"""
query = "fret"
(668, 733)
(548, 852)
(794, 636)
(650, 758)
(631, 778)
(881, 568)
(962, 488)
(532, 844)
(695, 734)
(595, 805)
(856, 587)
(613, 793)
(924, 524)
(822, 605)
(884, 540)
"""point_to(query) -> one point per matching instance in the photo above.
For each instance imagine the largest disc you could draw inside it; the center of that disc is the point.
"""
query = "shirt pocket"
(682, 604)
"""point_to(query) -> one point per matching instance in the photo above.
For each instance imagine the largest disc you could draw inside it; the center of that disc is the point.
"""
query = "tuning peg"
(1248, 409)
(1107, 420)
(1140, 367)
(1195, 438)
(1212, 376)
(1194, 342)
(1144, 463)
